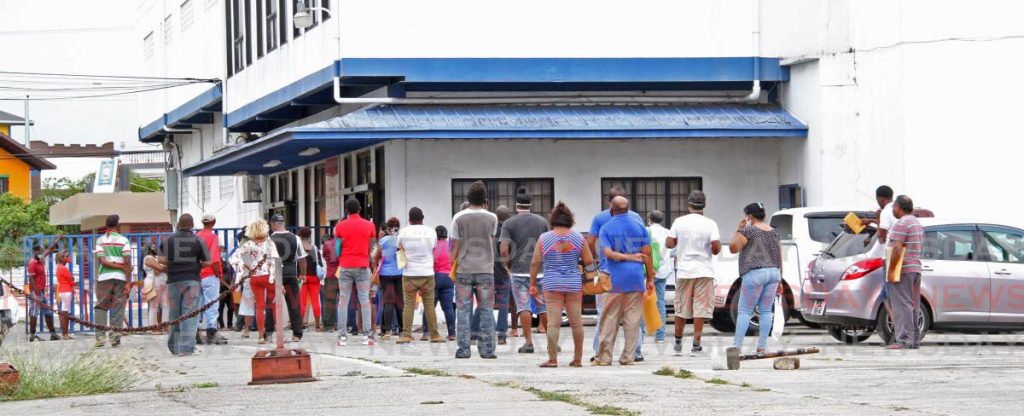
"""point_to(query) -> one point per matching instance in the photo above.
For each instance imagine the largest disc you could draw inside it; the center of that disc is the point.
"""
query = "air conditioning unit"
(253, 190)
(171, 179)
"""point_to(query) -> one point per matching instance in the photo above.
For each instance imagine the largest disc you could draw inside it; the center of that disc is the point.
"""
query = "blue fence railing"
(83, 267)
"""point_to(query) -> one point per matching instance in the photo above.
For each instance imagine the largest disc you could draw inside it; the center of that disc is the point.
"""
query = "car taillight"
(862, 268)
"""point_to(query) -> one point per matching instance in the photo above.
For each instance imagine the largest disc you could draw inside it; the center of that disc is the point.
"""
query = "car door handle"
(1003, 273)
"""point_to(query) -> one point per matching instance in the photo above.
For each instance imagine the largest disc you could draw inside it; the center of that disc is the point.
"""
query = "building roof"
(291, 147)
(8, 118)
(90, 210)
(21, 152)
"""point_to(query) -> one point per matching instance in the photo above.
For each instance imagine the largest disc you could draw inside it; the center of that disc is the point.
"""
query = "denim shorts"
(521, 293)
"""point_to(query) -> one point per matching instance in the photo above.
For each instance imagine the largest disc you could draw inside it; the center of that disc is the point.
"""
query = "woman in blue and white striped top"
(561, 250)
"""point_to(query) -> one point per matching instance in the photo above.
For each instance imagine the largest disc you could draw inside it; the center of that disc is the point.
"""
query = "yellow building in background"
(19, 168)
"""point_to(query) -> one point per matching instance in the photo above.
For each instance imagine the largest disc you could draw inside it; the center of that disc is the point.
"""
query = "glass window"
(271, 24)
(260, 47)
(667, 195)
(849, 244)
(948, 245)
(783, 224)
(238, 52)
(207, 191)
(823, 229)
(5, 185)
(503, 192)
(186, 14)
(147, 46)
(227, 187)
(1004, 246)
(168, 29)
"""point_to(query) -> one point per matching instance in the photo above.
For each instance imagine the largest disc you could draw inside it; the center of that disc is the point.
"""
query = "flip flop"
(576, 363)
(548, 364)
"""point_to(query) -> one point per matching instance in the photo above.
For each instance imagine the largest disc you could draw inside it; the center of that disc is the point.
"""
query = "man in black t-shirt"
(185, 255)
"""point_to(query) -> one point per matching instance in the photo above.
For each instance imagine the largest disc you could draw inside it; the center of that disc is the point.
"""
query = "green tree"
(19, 219)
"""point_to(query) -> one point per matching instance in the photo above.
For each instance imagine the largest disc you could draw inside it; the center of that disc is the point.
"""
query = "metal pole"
(28, 131)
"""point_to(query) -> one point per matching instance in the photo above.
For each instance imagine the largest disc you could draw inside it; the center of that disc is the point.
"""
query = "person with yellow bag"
(627, 249)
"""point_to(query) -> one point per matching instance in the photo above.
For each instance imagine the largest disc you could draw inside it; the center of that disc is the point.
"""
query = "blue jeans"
(659, 289)
(444, 293)
(360, 278)
(502, 291)
(758, 289)
(183, 298)
(468, 286)
(211, 290)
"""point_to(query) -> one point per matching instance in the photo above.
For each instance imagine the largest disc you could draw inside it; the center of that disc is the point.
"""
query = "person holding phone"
(760, 249)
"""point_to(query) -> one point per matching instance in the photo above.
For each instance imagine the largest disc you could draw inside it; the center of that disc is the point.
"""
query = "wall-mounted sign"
(332, 185)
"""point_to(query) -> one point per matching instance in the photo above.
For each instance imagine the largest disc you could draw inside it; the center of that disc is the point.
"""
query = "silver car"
(972, 280)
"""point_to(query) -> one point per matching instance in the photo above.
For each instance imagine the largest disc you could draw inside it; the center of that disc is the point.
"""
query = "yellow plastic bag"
(652, 316)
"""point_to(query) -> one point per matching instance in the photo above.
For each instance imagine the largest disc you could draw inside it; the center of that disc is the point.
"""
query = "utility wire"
(126, 77)
(942, 40)
(135, 91)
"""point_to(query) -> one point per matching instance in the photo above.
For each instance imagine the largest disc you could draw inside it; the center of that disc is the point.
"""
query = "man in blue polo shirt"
(626, 246)
(599, 221)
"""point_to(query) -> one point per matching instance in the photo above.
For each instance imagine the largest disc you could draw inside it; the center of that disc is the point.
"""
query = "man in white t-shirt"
(417, 243)
(696, 240)
(885, 220)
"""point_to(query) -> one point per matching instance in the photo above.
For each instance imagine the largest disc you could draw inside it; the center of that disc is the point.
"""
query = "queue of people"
(478, 264)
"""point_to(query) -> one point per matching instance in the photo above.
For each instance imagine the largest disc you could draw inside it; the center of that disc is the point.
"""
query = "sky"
(95, 37)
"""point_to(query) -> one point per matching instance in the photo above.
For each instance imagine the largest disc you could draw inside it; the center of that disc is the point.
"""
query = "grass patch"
(68, 374)
(746, 385)
(686, 375)
(717, 381)
(573, 400)
(427, 372)
(763, 390)
(207, 385)
(665, 371)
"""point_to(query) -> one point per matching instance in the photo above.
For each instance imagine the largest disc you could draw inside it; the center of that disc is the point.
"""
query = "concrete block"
(787, 363)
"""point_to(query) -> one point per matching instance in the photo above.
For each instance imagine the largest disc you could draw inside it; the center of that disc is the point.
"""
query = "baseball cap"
(277, 218)
(697, 199)
(209, 218)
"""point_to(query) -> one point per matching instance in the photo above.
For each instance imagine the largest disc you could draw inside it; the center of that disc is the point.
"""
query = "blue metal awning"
(571, 122)
(313, 92)
(198, 110)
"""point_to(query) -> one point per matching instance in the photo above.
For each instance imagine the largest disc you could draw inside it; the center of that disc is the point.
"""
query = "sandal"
(262, 341)
(576, 363)
(549, 364)
(245, 334)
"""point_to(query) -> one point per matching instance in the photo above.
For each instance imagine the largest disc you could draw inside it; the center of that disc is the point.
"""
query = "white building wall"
(914, 94)
(735, 172)
(474, 29)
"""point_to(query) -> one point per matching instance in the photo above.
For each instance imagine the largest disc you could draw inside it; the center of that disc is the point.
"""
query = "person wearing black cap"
(292, 266)
(696, 241)
(519, 237)
(114, 254)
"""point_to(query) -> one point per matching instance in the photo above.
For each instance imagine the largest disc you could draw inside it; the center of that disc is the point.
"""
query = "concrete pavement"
(952, 374)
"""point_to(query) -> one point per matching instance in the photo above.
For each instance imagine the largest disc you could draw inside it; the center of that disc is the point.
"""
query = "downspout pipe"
(755, 92)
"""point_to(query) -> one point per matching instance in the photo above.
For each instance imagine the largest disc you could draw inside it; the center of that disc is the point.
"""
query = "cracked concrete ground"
(953, 374)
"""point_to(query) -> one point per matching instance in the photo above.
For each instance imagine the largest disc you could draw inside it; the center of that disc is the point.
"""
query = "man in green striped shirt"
(113, 251)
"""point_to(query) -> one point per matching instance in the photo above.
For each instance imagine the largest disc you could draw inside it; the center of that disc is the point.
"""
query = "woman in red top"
(65, 292)
(444, 288)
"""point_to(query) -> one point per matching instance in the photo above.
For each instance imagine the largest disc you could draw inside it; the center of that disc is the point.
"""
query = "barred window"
(503, 192)
(667, 195)
(168, 29)
(207, 193)
(227, 187)
(186, 15)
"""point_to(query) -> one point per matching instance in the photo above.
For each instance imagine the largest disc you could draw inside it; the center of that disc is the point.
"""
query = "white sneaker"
(369, 341)
(342, 341)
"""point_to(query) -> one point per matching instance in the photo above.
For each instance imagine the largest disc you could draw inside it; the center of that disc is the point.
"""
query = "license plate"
(819, 308)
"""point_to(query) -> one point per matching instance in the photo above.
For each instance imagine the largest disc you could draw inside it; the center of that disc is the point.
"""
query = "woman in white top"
(256, 258)
(156, 297)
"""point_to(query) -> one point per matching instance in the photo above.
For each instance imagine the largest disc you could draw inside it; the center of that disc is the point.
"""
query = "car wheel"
(755, 317)
(885, 329)
(850, 335)
(722, 322)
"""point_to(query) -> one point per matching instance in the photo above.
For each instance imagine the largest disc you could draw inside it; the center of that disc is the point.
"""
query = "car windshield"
(848, 244)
